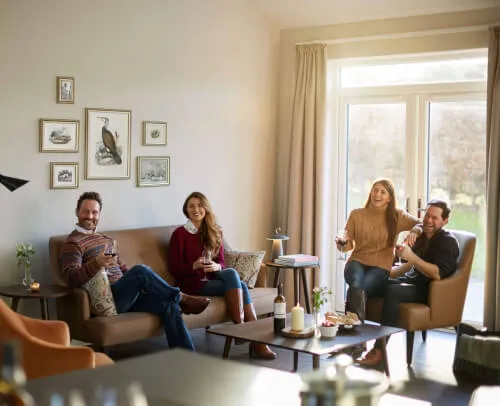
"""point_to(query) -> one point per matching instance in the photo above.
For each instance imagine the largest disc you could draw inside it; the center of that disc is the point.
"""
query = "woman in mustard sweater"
(372, 233)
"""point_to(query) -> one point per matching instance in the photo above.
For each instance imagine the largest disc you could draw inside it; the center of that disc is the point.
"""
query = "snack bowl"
(329, 331)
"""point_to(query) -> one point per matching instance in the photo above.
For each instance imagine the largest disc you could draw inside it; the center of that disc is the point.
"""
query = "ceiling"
(289, 14)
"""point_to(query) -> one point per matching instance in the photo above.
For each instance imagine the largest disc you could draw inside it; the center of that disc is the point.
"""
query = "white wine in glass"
(341, 240)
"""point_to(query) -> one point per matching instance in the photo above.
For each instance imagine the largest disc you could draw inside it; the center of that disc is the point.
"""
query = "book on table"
(297, 259)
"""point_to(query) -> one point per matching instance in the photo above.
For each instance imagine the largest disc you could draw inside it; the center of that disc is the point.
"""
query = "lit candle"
(35, 287)
(298, 318)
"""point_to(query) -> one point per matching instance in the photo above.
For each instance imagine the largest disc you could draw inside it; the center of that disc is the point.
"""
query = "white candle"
(298, 318)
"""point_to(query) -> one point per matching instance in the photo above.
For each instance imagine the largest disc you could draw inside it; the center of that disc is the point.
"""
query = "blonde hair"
(209, 232)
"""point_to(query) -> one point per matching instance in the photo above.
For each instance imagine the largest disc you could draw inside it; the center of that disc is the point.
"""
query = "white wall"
(207, 67)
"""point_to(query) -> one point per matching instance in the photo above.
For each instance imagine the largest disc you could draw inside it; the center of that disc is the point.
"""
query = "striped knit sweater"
(78, 258)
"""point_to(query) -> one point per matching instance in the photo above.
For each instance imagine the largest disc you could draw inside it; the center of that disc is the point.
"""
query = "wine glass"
(341, 239)
(400, 244)
(111, 248)
(206, 256)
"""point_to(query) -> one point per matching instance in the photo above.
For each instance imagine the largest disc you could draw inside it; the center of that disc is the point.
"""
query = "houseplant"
(24, 255)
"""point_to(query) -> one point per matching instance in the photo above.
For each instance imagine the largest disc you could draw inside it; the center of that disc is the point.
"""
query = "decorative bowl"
(329, 331)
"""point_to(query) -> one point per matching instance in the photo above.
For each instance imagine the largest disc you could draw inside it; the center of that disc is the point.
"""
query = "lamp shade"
(12, 183)
(277, 238)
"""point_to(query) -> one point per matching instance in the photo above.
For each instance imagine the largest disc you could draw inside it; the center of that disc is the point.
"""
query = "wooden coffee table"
(261, 331)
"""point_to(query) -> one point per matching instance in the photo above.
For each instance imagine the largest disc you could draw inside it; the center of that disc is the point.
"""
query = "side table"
(298, 269)
(17, 292)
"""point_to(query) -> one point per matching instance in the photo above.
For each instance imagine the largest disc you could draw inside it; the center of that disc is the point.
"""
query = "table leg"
(15, 303)
(296, 283)
(315, 361)
(276, 277)
(45, 309)
(295, 361)
(227, 348)
(305, 285)
(385, 361)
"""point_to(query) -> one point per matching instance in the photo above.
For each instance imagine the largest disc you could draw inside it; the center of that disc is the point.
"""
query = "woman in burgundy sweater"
(186, 264)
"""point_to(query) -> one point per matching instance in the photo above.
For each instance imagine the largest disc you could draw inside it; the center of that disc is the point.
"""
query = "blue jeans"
(141, 290)
(225, 280)
(367, 278)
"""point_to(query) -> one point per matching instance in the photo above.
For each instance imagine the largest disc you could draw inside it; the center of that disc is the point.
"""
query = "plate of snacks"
(345, 321)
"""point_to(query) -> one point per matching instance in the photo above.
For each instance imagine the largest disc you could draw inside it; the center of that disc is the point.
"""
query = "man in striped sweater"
(137, 289)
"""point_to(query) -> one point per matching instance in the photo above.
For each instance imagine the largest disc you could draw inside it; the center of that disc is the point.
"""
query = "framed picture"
(65, 89)
(59, 135)
(154, 133)
(108, 144)
(153, 171)
(64, 175)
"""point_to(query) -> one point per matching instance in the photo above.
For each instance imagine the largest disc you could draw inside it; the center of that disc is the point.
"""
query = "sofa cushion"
(101, 298)
(246, 263)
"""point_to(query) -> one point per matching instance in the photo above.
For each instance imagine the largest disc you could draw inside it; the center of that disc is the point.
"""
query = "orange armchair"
(45, 345)
(445, 303)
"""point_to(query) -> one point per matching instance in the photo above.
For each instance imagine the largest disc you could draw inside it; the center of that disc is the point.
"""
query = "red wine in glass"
(111, 248)
(206, 258)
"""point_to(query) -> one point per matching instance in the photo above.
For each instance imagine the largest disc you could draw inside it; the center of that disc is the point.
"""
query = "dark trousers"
(399, 291)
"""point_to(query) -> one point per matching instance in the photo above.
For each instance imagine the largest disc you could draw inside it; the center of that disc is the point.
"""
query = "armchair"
(445, 303)
(45, 345)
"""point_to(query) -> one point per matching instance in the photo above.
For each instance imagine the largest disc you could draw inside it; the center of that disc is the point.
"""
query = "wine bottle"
(13, 378)
(279, 310)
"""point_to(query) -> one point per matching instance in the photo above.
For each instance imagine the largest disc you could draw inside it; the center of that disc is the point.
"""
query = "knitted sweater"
(183, 250)
(367, 228)
(78, 258)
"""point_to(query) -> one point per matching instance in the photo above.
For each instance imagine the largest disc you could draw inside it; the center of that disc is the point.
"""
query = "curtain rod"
(411, 34)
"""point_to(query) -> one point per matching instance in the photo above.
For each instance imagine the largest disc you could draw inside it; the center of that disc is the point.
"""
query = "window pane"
(457, 165)
(375, 148)
(449, 71)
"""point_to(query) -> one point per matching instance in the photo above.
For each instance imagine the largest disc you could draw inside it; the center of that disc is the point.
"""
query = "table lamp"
(277, 240)
(12, 183)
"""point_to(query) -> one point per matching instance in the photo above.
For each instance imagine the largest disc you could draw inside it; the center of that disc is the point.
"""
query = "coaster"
(306, 333)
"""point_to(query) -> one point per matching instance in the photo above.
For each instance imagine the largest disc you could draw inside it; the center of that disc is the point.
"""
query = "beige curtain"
(307, 153)
(492, 272)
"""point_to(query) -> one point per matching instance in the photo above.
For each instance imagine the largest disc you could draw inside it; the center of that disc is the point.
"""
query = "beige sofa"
(139, 246)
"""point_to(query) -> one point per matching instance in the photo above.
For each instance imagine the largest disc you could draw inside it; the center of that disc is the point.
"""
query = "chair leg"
(424, 335)
(410, 336)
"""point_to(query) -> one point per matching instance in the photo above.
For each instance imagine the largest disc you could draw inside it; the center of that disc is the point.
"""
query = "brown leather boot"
(257, 350)
(234, 301)
(193, 304)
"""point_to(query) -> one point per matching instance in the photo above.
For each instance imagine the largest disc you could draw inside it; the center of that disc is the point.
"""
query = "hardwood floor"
(430, 378)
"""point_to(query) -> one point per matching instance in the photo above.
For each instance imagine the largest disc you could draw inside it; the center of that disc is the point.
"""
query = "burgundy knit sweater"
(184, 249)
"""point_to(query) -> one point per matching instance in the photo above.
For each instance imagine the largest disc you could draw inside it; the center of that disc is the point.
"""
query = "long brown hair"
(209, 231)
(391, 214)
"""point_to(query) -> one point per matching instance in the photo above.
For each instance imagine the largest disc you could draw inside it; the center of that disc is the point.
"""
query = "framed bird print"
(58, 135)
(154, 133)
(108, 143)
(64, 175)
(65, 89)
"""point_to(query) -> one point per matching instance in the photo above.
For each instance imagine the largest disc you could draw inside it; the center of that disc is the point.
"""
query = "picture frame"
(154, 133)
(65, 89)
(58, 135)
(64, 175)
(153, 171)
(108, 143)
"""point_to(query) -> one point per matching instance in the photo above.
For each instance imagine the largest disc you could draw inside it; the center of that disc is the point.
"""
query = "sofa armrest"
(262, 277)
(74, 309)
(41, 358)
(446, 301)
(52, 331)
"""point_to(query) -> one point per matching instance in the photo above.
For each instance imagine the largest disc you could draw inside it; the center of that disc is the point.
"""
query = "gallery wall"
(207, 68)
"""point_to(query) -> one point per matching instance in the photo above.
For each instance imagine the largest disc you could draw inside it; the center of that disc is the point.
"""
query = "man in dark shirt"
(433, 257)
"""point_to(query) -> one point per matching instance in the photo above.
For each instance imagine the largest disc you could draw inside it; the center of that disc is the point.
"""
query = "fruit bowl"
(328, 329)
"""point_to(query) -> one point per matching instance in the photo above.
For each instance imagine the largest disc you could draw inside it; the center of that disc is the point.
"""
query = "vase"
(317, 321)
(28, 278)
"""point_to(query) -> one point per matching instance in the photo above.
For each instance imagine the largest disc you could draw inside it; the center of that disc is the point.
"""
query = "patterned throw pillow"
(246, 263)
(101, 298)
